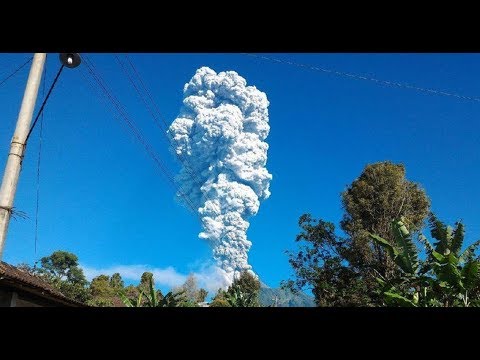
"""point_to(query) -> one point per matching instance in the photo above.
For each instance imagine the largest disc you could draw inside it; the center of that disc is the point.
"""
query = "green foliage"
(381, 193)
(446, 277)
(191, 294)
(132, 301)
(235, 297)
(403, 251)
(172, 299)
(116, 282)
(149, 297)
(62, 265)
(321, 265)
(62, 271)
(220, 299)
(101, 291)
(27, 268)
(244, 291)
(343, 271)
(201, 295)
(106, 291)
(219, 303)
(145, 280)
(246, 282)
(130, 291)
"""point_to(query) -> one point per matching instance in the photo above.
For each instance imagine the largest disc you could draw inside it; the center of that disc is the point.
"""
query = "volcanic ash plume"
(219, 138)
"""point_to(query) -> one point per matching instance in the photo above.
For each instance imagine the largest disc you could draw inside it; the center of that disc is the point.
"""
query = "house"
(18, 288)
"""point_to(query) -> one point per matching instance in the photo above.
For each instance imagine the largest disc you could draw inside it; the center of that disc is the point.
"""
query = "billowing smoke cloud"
(219, 138)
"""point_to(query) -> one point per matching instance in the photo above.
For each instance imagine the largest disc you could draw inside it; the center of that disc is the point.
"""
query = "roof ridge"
(33, 280)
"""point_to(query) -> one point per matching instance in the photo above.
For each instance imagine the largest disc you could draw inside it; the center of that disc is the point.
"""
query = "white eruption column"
(219, 136)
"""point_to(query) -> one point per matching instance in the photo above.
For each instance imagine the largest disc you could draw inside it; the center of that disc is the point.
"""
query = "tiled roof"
(31, 281)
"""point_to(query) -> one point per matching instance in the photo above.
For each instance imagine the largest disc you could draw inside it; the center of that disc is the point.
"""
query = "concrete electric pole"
(18, 143)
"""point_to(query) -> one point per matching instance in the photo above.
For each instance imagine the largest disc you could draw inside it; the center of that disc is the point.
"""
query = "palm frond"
(471, 274)
(457, 238)
(439, 232)
(469, 252)
(397, 299)
(409, 251)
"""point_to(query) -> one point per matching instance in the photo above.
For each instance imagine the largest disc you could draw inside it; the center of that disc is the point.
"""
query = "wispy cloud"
(208, 276)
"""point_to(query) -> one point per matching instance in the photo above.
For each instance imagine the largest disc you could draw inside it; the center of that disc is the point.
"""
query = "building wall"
(5, 298)
(10, 297)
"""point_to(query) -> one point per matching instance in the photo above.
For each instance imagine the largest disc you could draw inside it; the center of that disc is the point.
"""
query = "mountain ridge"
(283, 298)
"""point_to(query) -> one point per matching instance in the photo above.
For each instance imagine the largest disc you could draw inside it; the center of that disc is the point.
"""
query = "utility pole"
(21, 134)
(17, 145)
(22, 131)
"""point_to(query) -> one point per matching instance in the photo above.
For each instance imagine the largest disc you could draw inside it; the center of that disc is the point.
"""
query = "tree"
(380, 194)
(101, 291)
(192, 294)
(62, 265)
(116, 282)
(189, 288)
(152, 297)
(220, 299)
(61, 269)
(27, 268)
(244, 291)
(342, 271)
(448, 276)
(145, 280)
(201, 295)
(247, 282)
(238, 298)
(320, 266)
(130, 292)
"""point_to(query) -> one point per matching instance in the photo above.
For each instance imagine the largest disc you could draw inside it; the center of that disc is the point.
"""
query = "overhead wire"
(39, 158)
(156, 114)
(44, 103)
(4, 80)
(365, 78)
(184, 161)
(129, 76)
(120, 109)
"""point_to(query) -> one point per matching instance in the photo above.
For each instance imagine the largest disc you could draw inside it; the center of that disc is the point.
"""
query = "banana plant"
(172, 299)
(447, 277)
(402, 250)
(237, 298)
(152, 298)
(410, 289)
(458, 272)
(131, 302)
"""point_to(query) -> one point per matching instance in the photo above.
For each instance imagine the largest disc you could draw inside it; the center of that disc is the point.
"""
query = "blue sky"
(103, 198)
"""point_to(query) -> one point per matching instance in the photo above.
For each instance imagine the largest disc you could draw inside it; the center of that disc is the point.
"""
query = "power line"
(130, 122)
(16, 71)
(147, 91)
(109, 104)
(125, 71)
(164, 128)
(118, 106)
(131, 126)
(107, 93)
(191, 171)
(137, 133)
(365, 78)
(44, 102)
